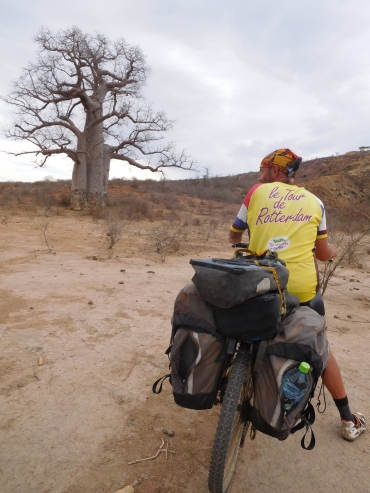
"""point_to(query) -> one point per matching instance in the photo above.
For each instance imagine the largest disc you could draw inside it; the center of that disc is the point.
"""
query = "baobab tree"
(82, 98)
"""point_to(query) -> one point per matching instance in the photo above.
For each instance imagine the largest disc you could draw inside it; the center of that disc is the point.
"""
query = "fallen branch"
(161, 449)
(116, 385)
(196, 458)
(130, 370)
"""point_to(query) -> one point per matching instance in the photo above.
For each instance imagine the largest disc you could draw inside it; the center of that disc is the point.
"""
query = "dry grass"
(208, 203)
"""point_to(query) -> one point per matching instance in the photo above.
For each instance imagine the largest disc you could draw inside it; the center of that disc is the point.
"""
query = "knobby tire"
(230, 425)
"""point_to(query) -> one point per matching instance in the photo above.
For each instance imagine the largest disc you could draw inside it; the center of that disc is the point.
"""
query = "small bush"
(166, 238)
(350, 244)
(64, 199)
(113, 229)
(44, 224)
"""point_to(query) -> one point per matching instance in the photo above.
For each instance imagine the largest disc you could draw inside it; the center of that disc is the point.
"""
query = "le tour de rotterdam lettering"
(277, 216)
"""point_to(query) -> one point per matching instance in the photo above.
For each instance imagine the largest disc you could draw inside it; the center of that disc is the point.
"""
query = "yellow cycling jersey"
(287, 219)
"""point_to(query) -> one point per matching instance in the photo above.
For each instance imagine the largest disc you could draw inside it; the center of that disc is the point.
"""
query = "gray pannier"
(228, 282)
(197, 352)
(190, 310)
(302, 338)
(196, 364)
(248, 293)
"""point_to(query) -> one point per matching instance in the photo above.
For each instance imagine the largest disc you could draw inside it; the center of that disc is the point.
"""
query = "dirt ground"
(83, 339)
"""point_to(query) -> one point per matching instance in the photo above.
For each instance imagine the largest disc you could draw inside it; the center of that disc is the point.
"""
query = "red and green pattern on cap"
(281, 157)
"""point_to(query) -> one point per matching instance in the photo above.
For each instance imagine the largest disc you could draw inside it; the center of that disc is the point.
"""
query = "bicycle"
(236, 397)
(236, 392)
(244, 338)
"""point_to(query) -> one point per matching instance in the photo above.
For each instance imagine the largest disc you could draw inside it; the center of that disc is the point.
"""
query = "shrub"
(166, 238)
(112, 229)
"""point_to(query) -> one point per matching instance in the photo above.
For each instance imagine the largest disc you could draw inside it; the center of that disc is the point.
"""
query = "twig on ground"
(196, 458)
(116, 385)
(170, 451)
(130, 370)
(154, 418)
(161, 449)
(4, 219)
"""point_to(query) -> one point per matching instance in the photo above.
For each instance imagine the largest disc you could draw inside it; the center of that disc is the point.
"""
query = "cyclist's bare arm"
(324, 250)
(235, 237)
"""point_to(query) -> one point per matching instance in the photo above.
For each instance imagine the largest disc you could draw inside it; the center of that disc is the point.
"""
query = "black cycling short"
(317, 304)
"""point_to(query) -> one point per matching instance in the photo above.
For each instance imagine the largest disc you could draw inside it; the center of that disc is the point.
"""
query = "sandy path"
(71, 424)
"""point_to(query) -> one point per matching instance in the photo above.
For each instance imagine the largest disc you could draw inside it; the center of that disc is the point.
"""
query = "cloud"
(240, 78)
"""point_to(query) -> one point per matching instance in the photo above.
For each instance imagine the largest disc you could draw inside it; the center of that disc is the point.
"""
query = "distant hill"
(342, 182)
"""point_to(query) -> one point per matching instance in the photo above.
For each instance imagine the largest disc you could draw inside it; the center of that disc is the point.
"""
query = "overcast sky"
(241, 78)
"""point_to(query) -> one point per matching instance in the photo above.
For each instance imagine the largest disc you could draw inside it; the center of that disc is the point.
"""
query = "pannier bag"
(228, 282)
(196, 364)
(191, 311)
(257, 317)
(302, 338)
(197, 352)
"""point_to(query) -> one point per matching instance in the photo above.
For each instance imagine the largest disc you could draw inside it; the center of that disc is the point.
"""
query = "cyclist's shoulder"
(250, 192)
(314, 198)
(306, 193)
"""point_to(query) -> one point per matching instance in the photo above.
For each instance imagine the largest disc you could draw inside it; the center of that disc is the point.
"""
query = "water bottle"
(295, 385)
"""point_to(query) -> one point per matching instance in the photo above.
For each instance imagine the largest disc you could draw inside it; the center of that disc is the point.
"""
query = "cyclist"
(286, 218)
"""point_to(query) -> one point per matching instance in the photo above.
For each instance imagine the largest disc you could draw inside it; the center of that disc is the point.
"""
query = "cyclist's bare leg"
(333, 379)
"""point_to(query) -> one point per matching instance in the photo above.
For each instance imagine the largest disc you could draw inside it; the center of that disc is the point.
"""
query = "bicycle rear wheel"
(231, 424)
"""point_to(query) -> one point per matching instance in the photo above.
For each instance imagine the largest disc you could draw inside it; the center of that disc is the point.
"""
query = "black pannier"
(257, 317)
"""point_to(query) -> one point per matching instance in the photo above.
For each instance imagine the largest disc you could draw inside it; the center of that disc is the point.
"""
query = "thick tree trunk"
(78, 200)
(95, 174)
(90, 174)
(107, 155)
(78, 188)
(88, 189)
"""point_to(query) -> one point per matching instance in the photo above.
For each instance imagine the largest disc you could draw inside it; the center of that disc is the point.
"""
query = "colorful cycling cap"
(285, 159)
